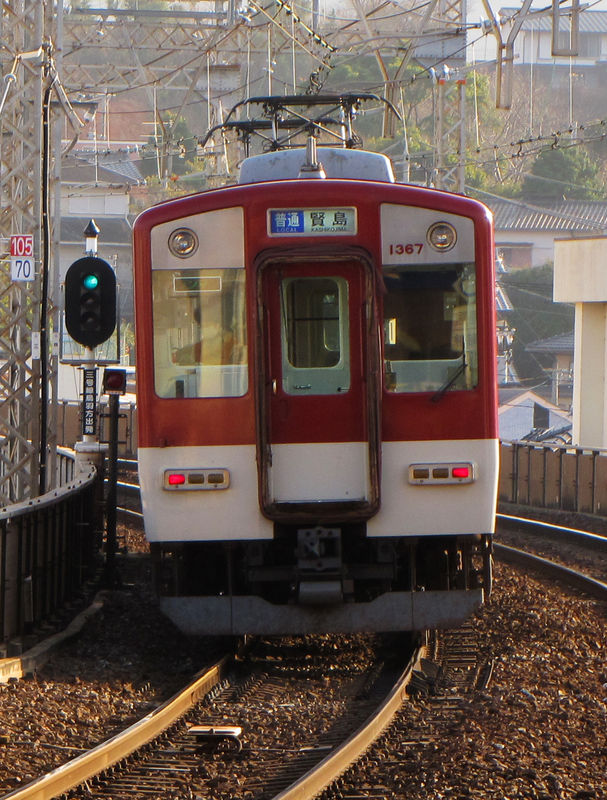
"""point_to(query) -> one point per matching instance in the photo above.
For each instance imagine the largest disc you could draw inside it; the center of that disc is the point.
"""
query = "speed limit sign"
(23, 266)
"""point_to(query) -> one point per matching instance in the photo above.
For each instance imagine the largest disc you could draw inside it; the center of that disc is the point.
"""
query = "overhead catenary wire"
(520, 149)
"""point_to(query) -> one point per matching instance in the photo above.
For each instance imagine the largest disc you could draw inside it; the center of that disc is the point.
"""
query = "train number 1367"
(409, 249)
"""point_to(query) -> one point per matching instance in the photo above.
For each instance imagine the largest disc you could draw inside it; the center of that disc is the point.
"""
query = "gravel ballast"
(537, 731)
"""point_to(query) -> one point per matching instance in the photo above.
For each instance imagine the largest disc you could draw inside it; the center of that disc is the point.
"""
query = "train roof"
(337, 162)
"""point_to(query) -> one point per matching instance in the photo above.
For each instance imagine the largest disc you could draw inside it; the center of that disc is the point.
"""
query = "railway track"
(440, 684)
(129, 503)
(188, 745)
(414, 758)
(85, 767)
(551, 550)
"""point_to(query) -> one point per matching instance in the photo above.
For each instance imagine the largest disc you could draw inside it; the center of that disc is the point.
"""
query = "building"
(524, 415)
(525, 233)
(580, 277)
(555, 354)
(534, 41)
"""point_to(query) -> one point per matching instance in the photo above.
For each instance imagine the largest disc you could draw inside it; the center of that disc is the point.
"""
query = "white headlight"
(441, 236)
(183, 243)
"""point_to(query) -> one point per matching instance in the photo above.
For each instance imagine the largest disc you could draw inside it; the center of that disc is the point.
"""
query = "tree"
(179, 153)
(535, 316)
(563, 173)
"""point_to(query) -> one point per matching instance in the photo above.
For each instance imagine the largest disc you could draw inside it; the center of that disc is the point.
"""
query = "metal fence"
(48, 548)
(554, 477)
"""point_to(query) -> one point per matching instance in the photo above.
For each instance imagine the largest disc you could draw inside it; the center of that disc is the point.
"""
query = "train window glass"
(315, 335)
(200, 337)
(430, 340)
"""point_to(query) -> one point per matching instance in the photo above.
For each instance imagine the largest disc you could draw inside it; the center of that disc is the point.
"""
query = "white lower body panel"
(311, 472)
(426, 510)
(319, 472)
(196, 516)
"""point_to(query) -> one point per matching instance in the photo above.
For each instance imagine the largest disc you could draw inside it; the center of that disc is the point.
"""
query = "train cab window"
(315, 335)
(200, 342)
(430, 341)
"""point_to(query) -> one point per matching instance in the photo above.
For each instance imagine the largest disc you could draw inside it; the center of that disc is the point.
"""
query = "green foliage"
(566, 173)
(510, 187)
(417, 104)
(535, 315)
(180, 152)
(364, 74)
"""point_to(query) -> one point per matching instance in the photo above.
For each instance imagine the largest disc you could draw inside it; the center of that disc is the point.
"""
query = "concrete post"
(580, 277)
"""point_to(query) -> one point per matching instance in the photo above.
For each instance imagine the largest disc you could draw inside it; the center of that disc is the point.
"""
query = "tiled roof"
(112, 168)
(507, 395)
(562, 343)
(114, 230)
(565, 216)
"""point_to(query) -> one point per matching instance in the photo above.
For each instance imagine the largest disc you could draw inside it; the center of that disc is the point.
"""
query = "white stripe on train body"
(319, 471)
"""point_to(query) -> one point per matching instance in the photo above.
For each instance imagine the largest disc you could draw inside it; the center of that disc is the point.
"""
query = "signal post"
(90, 319)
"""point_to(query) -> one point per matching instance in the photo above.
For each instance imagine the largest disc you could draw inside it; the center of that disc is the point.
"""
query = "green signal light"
(90, 281)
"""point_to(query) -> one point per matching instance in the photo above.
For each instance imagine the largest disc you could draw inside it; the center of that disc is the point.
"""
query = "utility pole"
(450, 132)
(27, 29)
(450, 109)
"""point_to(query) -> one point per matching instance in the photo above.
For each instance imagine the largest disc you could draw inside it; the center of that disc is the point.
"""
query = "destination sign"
(311, 221)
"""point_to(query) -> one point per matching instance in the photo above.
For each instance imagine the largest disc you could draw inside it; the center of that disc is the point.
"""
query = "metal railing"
(554, 477)
(48, 548)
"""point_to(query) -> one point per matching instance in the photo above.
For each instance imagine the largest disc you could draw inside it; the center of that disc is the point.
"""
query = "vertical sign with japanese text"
(89, 401)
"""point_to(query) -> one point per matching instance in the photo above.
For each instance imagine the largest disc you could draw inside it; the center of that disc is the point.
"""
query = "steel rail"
(557, 532)
(321, 776)
(513, 555)
(129, 512)
(128, 488)
(337, 762)
(86, 766)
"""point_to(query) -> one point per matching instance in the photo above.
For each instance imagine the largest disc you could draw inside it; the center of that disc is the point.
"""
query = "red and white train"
(316, 373)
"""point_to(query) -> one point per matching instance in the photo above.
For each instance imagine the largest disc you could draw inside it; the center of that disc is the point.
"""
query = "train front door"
(318, 416)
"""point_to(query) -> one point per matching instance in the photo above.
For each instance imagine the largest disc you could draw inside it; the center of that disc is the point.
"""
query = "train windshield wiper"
(450, 381)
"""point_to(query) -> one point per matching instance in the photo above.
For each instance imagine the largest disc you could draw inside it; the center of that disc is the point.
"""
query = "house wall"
(516, 421)
(535, 47)
(580, 277)
(525, 249)
(105, 204)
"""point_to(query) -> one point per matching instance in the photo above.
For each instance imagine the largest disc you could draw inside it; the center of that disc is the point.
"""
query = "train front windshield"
(430, 338)
(200, 341)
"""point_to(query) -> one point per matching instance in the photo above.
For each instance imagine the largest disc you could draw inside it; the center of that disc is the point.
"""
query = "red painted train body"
(316, 374)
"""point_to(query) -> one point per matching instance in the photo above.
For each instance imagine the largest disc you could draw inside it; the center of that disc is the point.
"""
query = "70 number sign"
(23, 265)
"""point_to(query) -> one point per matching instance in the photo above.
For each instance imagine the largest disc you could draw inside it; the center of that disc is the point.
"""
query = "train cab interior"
(200, 340)
(430, 328)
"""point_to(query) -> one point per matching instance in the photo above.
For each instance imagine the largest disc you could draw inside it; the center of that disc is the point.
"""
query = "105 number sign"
(23, 265)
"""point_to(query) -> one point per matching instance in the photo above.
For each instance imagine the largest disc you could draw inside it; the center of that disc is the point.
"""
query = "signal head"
(114, 381)
(90, 301)
(90, 281)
